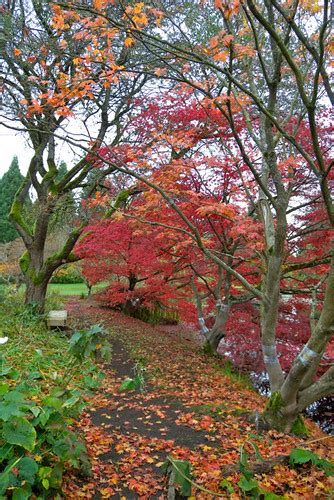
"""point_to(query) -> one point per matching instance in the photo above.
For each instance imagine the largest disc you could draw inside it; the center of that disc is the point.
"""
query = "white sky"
(10, 145)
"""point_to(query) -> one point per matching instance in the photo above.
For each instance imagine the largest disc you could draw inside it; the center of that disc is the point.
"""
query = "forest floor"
(189, 409)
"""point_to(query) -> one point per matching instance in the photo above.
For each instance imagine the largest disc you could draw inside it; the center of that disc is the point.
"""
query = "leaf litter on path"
(188, 410)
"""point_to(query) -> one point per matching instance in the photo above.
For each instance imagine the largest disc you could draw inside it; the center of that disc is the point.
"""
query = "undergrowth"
(44, 376)
(227, 368)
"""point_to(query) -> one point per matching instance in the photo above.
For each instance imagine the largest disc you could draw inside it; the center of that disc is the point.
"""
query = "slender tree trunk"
(218, 332)
(294, 395)
(269, 320)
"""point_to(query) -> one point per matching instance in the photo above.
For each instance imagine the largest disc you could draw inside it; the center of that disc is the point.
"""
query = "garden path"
(188, 408)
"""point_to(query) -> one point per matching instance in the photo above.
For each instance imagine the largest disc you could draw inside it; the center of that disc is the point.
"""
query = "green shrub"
(35, 442)
(68, 274)
(43, 378)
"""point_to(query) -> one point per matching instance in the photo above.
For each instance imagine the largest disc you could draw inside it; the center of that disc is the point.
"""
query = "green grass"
(68, 289)
(73, 288)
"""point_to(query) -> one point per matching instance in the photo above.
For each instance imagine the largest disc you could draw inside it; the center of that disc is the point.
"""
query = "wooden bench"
(57, 319)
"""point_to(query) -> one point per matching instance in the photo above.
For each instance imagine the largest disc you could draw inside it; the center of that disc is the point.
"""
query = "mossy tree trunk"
(36, 294)
(36, 269)
(51, 188)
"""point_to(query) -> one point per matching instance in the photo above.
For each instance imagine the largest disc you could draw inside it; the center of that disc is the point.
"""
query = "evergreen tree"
(9, 184)
(62, 171)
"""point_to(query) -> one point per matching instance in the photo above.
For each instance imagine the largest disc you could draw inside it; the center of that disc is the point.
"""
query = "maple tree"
(134, 260)
(262, 77)
(46, 81)
(277, 74)
(207, 190)
(229, 232)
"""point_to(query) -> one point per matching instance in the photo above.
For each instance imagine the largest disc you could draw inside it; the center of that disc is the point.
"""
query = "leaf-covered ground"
(189, 409)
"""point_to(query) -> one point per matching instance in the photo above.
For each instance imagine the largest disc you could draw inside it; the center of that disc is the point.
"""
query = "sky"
(10, 145)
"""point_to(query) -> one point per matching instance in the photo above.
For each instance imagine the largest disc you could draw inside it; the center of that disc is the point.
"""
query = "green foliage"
(299, 428)
(67, 274)
(247, 484)
(73, 288)
(180, 470)
(243, 459)
(40, 399)
(34, 435)
(275, 401)
(129, 384)
(138, 382)
(251, 489)
(230, 371)
(208, 349)
(298, 456)
(19, 431)
(209, 409)
(87, 343)
(225, 484)
(9, 184)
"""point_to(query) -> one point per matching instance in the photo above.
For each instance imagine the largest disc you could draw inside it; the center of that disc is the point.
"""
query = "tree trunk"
(283, 418)
(36, 293)
(36, 276)
(217, 332)
(269, 319)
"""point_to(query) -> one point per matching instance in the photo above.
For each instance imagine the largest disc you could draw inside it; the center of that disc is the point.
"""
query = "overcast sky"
(10, 145)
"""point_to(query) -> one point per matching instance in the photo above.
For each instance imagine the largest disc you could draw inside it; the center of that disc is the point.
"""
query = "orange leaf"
(221, 56)
(128, 41)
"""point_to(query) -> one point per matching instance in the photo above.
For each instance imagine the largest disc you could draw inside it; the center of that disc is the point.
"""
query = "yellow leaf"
(138, 7)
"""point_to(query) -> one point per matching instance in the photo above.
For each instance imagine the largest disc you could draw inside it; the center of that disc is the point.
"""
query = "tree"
(65, 212)
(9, 184)
(133, 259)
(46, 82)
(261, 57)
(260, 70)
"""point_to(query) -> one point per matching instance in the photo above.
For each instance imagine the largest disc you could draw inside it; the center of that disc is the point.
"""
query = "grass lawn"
(73, 288)
(68, 289)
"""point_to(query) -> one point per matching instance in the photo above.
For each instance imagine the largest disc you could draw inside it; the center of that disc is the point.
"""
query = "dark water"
(321, 412)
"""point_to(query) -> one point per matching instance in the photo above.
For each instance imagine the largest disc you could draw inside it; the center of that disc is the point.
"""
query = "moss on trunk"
(277, 417)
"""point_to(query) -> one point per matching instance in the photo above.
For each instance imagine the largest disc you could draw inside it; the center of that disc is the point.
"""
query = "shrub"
(42, 382)
(68, 274)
